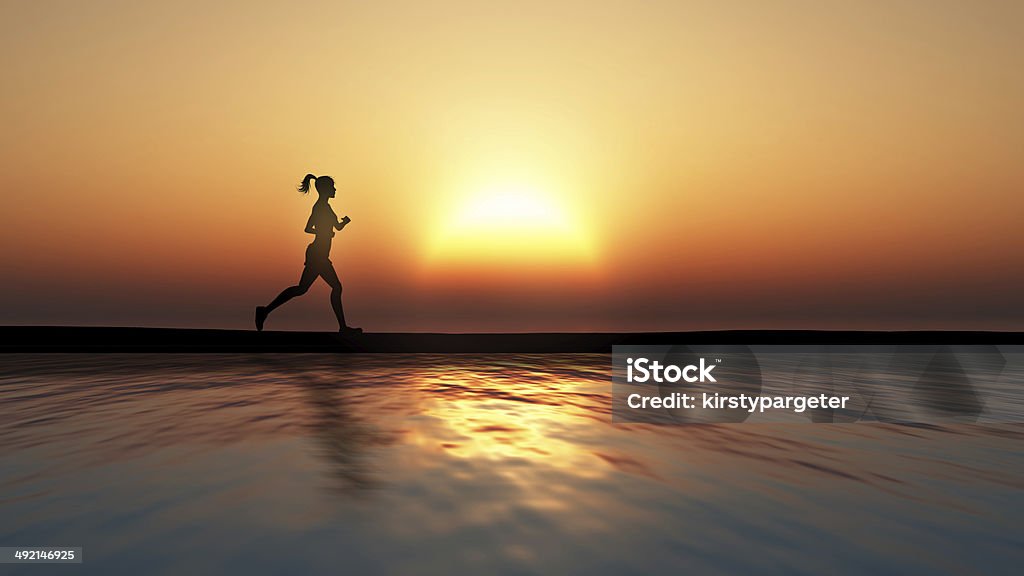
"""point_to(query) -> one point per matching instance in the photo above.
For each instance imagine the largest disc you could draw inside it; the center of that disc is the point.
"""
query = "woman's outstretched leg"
(308, 276)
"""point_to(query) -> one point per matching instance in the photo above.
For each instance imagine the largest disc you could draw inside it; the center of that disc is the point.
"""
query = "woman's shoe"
(261, 317)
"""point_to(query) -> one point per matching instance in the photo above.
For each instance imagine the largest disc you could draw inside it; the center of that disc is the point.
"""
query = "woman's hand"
(345, 220)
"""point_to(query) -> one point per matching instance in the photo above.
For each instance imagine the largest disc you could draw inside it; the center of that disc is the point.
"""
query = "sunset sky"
(510, 166)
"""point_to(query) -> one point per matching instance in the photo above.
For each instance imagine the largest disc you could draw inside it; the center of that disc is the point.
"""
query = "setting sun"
(510, 223)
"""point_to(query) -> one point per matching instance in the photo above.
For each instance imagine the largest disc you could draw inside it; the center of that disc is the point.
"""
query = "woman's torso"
(324, 219)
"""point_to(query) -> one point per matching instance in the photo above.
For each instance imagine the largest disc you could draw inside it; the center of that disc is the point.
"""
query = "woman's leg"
(331, 277)
(305, 281)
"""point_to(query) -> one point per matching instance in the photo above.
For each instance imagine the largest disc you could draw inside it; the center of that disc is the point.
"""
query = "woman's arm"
(310, 228)
(341, 223)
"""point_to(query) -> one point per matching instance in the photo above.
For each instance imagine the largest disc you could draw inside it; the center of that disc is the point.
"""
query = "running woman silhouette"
(322, 223)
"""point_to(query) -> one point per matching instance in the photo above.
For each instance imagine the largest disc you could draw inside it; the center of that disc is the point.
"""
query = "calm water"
(303, 464)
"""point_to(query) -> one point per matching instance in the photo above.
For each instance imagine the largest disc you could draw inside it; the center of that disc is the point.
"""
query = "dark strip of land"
(109, 339)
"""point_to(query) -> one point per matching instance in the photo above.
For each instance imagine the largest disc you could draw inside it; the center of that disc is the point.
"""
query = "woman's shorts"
(316, 258)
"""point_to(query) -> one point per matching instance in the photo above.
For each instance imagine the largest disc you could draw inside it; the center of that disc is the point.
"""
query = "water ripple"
(445, 456)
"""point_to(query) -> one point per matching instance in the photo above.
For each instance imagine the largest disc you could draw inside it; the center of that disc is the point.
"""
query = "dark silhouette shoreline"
(127, 339)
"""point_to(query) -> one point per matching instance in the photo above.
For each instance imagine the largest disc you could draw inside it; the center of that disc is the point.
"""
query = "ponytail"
(304, 185)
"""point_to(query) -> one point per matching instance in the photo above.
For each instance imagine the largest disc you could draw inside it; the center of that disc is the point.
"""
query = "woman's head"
(324, 185)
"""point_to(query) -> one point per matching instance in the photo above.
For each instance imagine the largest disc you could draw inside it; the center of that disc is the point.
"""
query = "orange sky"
(516, 166)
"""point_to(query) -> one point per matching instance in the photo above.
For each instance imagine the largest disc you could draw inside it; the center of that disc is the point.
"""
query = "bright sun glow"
(507, 223)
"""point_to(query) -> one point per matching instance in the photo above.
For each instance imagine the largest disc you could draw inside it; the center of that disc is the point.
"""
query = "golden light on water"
(485, 429)
(480, 421)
